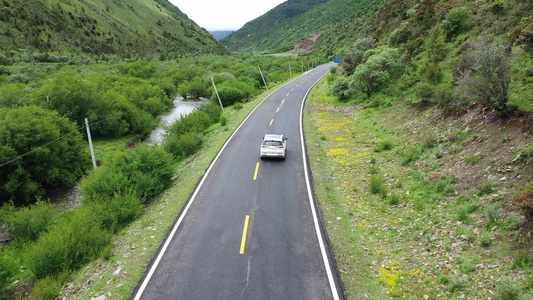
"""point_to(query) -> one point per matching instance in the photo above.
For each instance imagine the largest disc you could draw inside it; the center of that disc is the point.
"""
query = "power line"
(65, 135)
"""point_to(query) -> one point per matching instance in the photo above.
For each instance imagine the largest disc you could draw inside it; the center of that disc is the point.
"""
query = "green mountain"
(291, 22)
(125, 28)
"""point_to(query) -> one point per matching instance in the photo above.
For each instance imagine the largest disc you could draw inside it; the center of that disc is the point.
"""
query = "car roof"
(273, 136)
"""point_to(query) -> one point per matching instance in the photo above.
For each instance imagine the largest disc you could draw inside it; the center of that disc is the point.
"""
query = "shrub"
(377, 186)
(8, 269)
(223, 120)
(485, 74)
(74, 240)
(183, 145)
(195, 122)
(228, 96)
(525, 202)
(147, 168)
(485, 239)
(457, 21)
(211, 109)
(341, 89)
(62, 162)
(382, 65)
(384, 145)
(27, 223)
(508, 289)
(46, 288)
(238, 105)
(117, 212)
(145, 171)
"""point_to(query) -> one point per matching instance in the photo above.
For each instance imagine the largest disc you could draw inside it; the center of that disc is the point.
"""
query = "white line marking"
(312, 203)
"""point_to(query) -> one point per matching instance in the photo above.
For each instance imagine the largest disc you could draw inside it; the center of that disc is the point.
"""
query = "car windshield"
(272, 143)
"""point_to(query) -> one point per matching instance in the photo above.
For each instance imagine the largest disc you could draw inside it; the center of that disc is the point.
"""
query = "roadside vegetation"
(421, 206)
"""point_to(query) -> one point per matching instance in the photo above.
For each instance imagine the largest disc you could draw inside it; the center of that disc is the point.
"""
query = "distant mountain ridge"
(220, 34)
(124, 28)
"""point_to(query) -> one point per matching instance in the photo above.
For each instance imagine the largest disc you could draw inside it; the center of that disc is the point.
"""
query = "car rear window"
(272, 143)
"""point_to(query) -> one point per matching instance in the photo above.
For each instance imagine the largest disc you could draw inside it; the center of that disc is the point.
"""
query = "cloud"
(224, 15)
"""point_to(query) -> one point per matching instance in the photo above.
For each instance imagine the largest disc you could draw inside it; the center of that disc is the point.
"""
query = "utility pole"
(263, 77)
(90, 142)
(290, 69)
(216, 91)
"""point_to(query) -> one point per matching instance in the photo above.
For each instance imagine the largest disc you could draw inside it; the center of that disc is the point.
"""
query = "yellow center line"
(277, 110)
(271, 122)
(244, 232)
(288, 94)
(256, 170)
(283, 101)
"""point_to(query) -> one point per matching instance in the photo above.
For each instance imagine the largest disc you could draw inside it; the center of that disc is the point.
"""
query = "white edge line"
(312, 203)
(184, 212)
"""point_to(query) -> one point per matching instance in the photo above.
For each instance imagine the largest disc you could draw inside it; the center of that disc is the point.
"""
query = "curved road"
(250, 230)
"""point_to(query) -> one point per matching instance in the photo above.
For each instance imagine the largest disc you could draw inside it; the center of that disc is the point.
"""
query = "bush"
(27, 223)
(211, 109)
(377, 186)
(117, 212)
(382, 65)
(384, 145)
(46, 288)
(196, 122)
(144, 171)
(238, 105)
(341, 89)
(74, 240)
(148, 169)
(8, 269)
(183, 145)
(525, 202)
(485, 74)
(23, 129)
(228, 96)
(457, 21)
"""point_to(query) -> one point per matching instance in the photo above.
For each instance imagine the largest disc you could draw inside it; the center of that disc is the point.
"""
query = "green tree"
(52, 152)
(457, 21)
(382, 65)
(70, 95)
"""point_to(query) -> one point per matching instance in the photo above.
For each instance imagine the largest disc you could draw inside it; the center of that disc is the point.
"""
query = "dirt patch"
(307, 44)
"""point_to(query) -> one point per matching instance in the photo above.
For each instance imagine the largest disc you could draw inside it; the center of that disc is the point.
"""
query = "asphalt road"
(250, 230)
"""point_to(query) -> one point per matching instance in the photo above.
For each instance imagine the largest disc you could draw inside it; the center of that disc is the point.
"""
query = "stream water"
(181, 108)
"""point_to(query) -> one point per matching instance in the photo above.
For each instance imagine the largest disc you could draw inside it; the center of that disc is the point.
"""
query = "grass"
(444, 231)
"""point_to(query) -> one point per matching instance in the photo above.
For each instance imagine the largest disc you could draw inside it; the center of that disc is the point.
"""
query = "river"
(181, 108)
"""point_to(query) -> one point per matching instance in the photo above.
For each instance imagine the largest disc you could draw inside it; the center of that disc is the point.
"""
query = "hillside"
(126, 28)
(291, 22)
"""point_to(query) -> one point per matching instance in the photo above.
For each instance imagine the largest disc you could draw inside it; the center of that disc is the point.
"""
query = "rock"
(103, 297)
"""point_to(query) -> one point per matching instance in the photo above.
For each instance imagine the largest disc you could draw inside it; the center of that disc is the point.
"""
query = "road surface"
(250, 230)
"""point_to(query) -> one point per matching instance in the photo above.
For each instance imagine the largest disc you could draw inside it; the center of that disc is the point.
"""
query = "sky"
(224, 14)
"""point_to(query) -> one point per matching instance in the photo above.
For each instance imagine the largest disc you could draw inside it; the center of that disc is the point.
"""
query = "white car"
(273, 145)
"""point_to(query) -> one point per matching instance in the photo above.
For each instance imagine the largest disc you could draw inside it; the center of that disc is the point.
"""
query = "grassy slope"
(282, 34)
(445, 227)
(120, 27)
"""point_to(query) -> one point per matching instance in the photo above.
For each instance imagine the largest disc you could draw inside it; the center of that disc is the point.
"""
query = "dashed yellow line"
(277, 110)
(244, 233)
(256, 171)
(271, 122)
